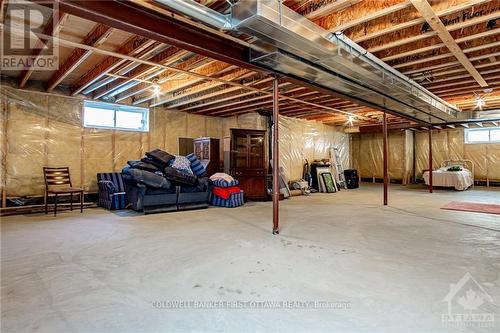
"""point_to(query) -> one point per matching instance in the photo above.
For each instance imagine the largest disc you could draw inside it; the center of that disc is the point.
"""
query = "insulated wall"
(46, 130)
(39, 129)
(367, 154)
(450, 144)
(298, 140)
(446, 145)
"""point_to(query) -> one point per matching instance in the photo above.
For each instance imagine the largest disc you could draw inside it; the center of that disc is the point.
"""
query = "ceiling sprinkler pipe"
(199, 12)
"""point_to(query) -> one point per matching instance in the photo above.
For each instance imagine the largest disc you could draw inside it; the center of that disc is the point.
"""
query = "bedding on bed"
(460, 180)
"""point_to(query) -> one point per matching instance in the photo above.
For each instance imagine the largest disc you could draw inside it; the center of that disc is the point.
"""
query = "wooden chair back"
(56, 176)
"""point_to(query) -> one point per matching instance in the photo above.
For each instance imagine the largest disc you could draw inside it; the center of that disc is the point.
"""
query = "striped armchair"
(112, 193)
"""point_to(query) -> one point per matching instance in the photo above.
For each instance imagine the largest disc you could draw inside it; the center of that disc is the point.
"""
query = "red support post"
(386, 173)
(275, 149)
(430, 159)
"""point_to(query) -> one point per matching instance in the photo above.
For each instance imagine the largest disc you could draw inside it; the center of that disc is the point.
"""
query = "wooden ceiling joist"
(167, 89)
(185, 105)
(449, 64)
(372, 16)
(192, 63)
(95, 38)
(411, 23)
(188, 96)
(330, 8)
(452, 27)
(133, 46)
(229, 93)
(441, 45)
(434, 21)
(167, 57)
(449, 55)
(53, 26)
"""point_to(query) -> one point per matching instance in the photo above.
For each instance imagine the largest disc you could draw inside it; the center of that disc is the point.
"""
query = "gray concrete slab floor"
(342, 263)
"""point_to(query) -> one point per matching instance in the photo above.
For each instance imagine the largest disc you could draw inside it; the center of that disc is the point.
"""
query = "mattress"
(460, 180)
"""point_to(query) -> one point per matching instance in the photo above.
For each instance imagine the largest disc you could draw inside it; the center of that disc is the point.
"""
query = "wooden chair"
(58, 177)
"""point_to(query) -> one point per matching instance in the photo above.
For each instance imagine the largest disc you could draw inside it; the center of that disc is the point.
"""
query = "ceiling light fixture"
(350, 120)
(480, 102)
(156, 89)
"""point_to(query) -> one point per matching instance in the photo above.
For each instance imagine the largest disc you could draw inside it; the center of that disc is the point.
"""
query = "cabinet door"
(256, 154)
(240, 151)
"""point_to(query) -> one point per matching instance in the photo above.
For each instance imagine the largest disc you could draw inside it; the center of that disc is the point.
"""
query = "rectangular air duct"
(296, 46)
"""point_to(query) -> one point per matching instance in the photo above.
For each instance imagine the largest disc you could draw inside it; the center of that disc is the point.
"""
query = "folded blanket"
(181, 177)
(145, 177)
(221, 175)
(225, 192)
(143, 166)
(160, 156)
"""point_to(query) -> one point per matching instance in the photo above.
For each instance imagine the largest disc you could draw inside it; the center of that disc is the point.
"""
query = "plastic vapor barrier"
(367, 154)
(300, 140)
(39, 129)
(450, 144)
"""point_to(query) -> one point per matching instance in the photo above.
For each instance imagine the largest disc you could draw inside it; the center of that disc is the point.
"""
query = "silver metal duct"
(291, 44)
(301, 48)
(200, 12)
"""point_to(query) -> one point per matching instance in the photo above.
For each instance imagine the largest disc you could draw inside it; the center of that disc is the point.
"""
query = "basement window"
(115, 116)
(482, 135)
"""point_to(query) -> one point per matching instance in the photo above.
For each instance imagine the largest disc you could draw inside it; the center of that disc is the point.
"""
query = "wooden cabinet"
(247, 161)
(207, 151)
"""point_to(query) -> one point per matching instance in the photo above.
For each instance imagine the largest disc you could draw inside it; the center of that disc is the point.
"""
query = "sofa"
(155, 184)
(112, 193)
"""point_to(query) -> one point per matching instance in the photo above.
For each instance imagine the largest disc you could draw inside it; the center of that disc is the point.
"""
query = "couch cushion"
(143, 166)
(180, 176)
(147, 178)
(161, 157)
(196, 166)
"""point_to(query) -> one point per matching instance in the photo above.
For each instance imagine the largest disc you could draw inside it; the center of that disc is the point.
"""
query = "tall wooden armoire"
(247, 161)
(208, 152)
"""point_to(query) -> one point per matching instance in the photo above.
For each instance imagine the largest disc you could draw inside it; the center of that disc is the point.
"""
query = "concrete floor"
(119, 272)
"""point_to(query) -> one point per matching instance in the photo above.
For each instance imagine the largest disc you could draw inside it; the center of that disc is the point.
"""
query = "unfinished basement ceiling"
(395, 31)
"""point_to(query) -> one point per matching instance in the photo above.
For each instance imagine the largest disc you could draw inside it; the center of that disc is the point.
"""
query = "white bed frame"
(466, 164)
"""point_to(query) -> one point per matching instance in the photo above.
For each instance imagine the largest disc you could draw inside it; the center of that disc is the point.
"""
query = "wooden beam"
(131, 47)
(434, 21)
(166, 57)
(440, 45)
(447, 55)
(372, 16)
(330, 8)
(206, 70)
(450, 28)
(192, 63)
(230, 97)
(53, 26)
(448, 64)
(408, 24)
(95, 38)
